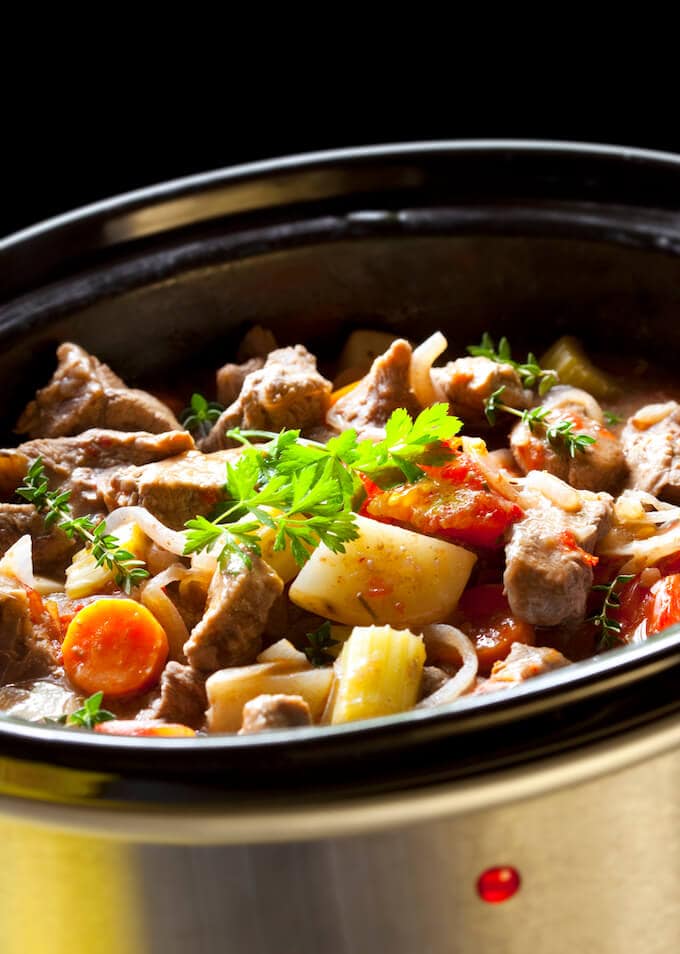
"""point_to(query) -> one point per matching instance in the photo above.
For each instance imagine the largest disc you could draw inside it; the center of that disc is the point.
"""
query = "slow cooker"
(546, 818)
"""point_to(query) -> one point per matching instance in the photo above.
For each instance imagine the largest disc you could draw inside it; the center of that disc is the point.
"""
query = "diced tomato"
(144, 728)
(669, 565)
(487, 619)
(568, 541)
(453, 502)
(662, 607)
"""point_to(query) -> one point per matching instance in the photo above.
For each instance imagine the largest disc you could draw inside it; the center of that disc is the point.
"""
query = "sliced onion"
(556, 490)
(562, 395)
(18, 561)
(497, 476)
(422, 360)
(172, 540)
(448, 643)
(154, 597)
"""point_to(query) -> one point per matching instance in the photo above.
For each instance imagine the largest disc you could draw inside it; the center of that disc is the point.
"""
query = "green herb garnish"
(128, 571)
(560, 434)
(90, 713)
(200, 416)
(611, 419)
(611, 628)
(304, 491)
(531, 374)
(320, 641)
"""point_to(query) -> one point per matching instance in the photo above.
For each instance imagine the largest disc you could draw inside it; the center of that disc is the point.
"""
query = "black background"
(68, 142)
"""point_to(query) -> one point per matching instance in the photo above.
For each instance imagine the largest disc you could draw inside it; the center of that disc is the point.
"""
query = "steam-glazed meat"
(599, 466)
(85, 393)
(279, 711)
(30, 639)
(257, 343)
(182, 697)
(286, 392)
(77, 463)
(174, 490)
(230, 378)
(522, 662)
(651, 443)
(468, 382)
(548, 572)
(385, 388)
(230, 633)
(52, 549)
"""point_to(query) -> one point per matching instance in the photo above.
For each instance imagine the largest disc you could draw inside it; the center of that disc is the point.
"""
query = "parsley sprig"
(320, 641)
(531, 374)
(200, 416)
(90, 713)
(559, 434)
(303, 490)
(610, 628)
(55, 505)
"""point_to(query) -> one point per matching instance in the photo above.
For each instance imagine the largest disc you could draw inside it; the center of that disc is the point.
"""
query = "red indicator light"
(498, 884)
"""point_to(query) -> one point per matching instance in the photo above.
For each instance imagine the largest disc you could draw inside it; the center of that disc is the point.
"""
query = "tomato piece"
(488, 621)
(453, 502)
(147, 728)
(663, 606)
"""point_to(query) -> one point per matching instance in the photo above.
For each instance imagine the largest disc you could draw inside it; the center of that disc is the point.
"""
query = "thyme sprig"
(559, 434)
(531, 374)
(303, 491)
(200, 416)
(90, 713)
(127, 570)
(320, 641)
(610, 628)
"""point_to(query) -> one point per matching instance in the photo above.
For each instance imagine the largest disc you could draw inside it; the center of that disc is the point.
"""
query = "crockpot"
(546, 818)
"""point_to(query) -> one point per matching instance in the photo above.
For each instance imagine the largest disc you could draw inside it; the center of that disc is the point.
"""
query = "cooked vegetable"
(362, 348)
(663, 609)
(573, 366)
(387, 575)
(229, 689)
(86, 575)
(490, 624)
(157, 601)
(116, 646)
(146, 728)
(378, 673)
(441, 641)
(422, 360)
(106, 549)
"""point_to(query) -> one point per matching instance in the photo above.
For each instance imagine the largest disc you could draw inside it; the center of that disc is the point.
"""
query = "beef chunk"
(230, 378)
(52, 549)
(601, 466)
(286, 392)
(651, 443)
(173, 490)
(468, 382)
(85, 393)
(547, 579)
(182, 697)
(230, 633)
(385, 388)
(30, 640)
(522, 662)
(274, 712)
(77, 463)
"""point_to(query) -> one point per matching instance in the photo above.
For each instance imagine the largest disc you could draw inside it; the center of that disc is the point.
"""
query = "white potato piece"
(283, 651)
(229, 689)
(363, 347)
(388, 575)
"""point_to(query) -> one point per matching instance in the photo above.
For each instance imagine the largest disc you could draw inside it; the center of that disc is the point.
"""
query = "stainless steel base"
(599, 861)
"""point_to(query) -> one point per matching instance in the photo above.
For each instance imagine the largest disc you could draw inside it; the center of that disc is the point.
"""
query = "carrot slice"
(116, 646)
(144, 728)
